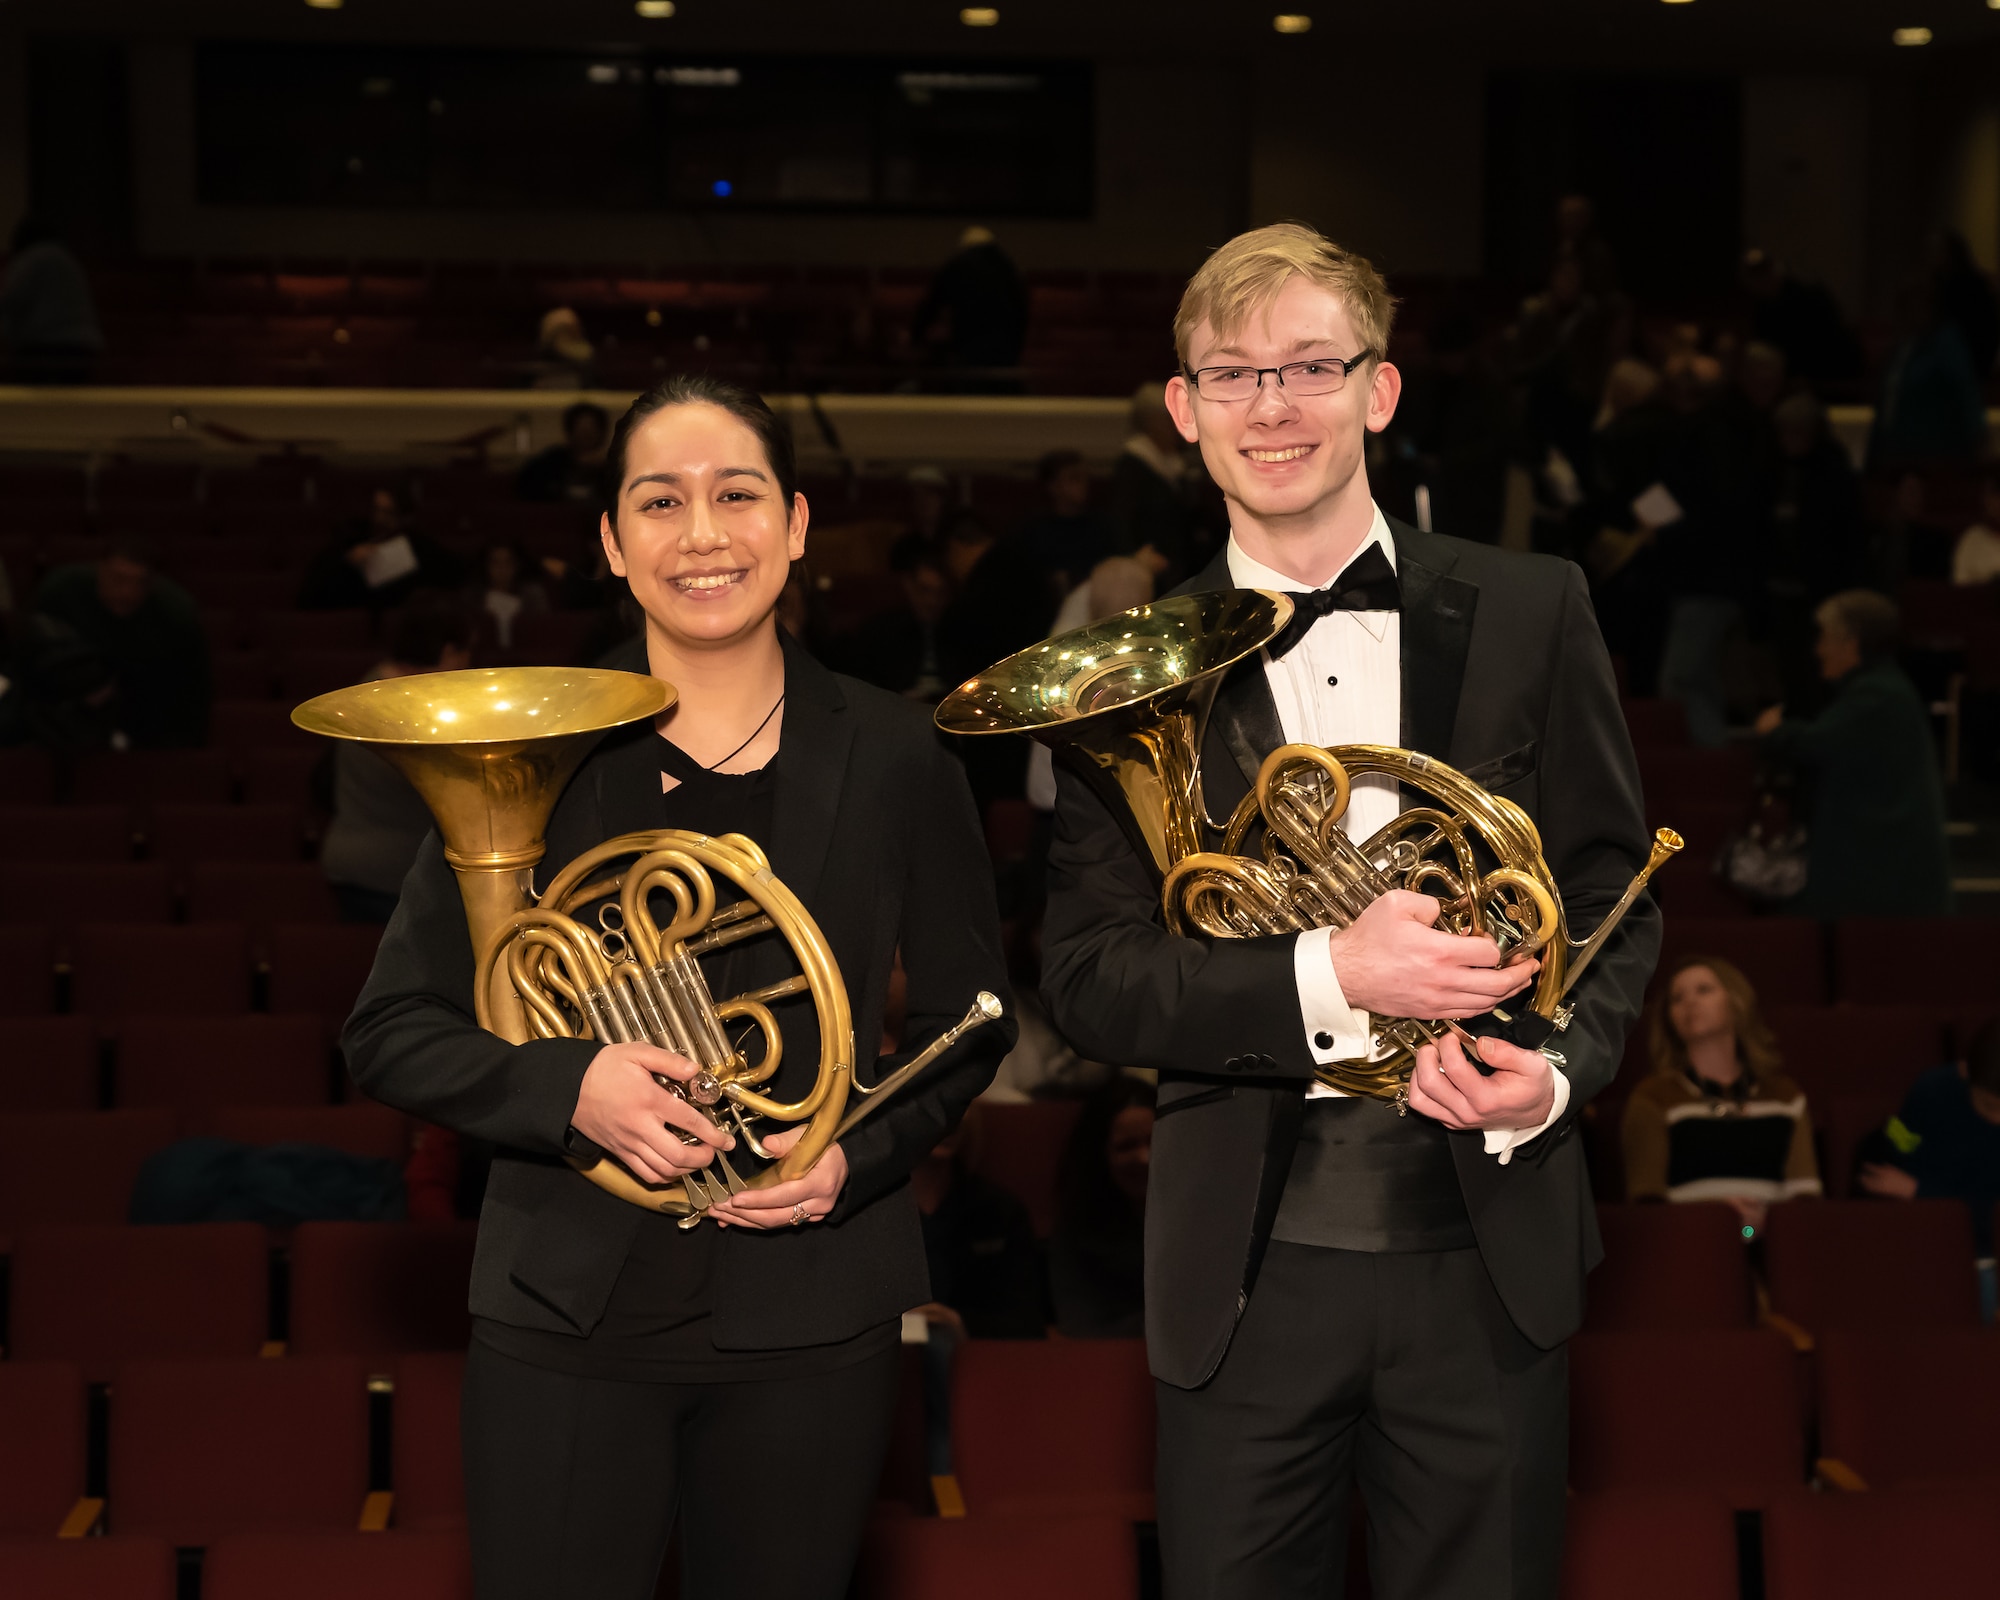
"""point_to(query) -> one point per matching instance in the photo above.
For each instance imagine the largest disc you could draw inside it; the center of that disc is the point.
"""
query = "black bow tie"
(1368, 584)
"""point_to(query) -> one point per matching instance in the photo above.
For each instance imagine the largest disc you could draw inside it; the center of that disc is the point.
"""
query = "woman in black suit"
(742, 1375)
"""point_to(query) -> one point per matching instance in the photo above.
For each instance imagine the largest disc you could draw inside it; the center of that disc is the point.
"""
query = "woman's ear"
(795, 532)
(607, 531)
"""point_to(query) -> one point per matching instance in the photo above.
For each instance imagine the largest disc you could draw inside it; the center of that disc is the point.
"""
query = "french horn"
(1124, 702)
(490, 752)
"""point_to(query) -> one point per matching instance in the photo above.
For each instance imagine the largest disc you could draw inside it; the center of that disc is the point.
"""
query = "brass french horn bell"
(1124, 703)
(490, 751)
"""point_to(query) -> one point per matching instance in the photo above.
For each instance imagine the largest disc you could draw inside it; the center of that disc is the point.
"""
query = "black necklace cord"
(747, 743)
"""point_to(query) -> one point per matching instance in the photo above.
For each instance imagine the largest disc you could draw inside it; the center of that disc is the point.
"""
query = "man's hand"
(793, 1203)
(1891, 1183)
(1391, 961)
(1768, 721)
(1448, 1088)
(621, 1109)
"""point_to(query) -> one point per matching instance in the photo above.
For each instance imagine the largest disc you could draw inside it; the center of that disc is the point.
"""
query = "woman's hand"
(787, 1205)
(1891, 1183)
(1768, 721)
(622, 1110)
(1753, 1214)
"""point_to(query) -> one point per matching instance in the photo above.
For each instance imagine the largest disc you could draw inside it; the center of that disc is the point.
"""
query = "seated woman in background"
(1717, 1119)
(1097, 1255)
(509, 584)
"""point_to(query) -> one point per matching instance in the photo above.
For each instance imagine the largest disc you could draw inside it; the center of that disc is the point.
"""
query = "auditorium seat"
(242, 591)
(1656, 724)
(1781, 956)
(65, 833)
(88, 1569)
(63, 894)
(1900, 1409)
(122, 971)
(1936, 1542)
(314, 630)
(241, 674)
(1845, 1049)
(75, 1166)
(1669, 1267)
(1687, 776)
(1940, 960)
(27, 969)
(192, 1065)
(1845, 1122)
(424, 1470)
(337, 1566)
(379, 1288)
(27, 775)
(1019, 1147)
(1716, 1411)
(305, 674)
(202, 1449)
(42, 1419)
(282, 774)
(552, 638)
(1871, 1266)
(259, 894)
(1064, 1557)
(363, 1128)
(156, 777)
(320, 968)
(48, 1064)
(102, 1295)
(1657, 1545)
(182, 834)
(257, 724)
(1053, 1426)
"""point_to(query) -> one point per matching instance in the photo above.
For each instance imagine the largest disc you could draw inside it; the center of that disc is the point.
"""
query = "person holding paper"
(377, 561)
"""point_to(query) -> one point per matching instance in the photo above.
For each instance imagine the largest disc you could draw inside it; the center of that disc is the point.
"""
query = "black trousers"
(1401, 1374)
(572, 1484)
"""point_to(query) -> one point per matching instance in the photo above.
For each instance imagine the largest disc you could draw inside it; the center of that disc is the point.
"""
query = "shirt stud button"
(1323, 1040)
(1333, 683)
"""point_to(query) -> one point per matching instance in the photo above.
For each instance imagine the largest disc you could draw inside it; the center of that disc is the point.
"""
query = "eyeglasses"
(1321, 375)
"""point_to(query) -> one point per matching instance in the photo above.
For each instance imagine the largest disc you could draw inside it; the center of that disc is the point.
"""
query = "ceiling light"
(326, 5)
(1912, 36)
(1676, 2)
(1292, 22)
(654, 9)
(979, 17)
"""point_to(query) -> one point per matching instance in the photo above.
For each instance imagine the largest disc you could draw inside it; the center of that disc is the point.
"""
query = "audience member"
(509, 588)
(572, 471)
(1000, 606)
(377, 560)
(1815, 538)
(1932, 407)
(986, 1267)
(1909, 542)
(1875, 836)
(1965, 298)
(1460, 420)
(563, 352)
(1578, 240)
(1717, 1119)
(930, 510)
(379, 822)
(147, 631)
(1976, 557)
(1564, 344)
(1097, 1253)
(1944, 1144)
(55, 689)
(1150, 512)
(900, 651)
(1801, 319)
(1068, 537)
(47, 315)
(1117, 584)
(979, 299)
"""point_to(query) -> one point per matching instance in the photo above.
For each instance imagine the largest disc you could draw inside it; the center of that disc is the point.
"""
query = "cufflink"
(1323, 1040)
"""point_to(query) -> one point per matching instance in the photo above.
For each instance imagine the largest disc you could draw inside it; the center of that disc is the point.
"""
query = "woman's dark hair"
(1088, 1201)
(698, 388)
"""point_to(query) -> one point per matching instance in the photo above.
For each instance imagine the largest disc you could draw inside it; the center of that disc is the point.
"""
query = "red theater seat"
(225, 833)
(256, 724)
(361, 1129)
(88, 1569)
(259, 894)
(201, 1449)
(1936, 1542)
(304, 674)
(1940, 960)
(27, 776)
(1872, 1266)
(99, 1296)
(1057, 1558)
(75, 1166)
(65, 894)
(194, 777)
(123, 971)
(336, 1566)
(1053, 1426)
(319, 968)
(1656, 725)
(65, 833)
(1912, 1408)
(283, 774)
(27, 970)
(378, 1288)
(1714, 1411)
(1669, 1267)
(1845, 1049)
(1845, 1123)
(315, 630)
(1779, 955)
(48, 1064)
(192, 1065)
(426, 1471)
(1640, 1546)
(1019, 1147)
(42, 1420)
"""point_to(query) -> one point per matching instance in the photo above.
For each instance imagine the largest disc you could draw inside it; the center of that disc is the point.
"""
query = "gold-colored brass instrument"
(490, 751)
(1124, 702)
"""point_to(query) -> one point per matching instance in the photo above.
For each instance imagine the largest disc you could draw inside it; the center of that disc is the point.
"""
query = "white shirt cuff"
(1335, 1031)
(1501, 1141)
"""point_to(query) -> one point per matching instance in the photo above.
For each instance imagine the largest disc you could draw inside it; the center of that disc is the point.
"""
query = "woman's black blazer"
(875, 831)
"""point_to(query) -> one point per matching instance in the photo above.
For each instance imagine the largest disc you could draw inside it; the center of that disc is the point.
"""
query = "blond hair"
(1249, 270)
(1756, 1045)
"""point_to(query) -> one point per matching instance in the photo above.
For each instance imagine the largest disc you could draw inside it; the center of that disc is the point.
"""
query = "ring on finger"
(798, 1213)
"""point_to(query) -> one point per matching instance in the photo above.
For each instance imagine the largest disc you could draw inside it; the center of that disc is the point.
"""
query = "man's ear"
(608, 532)
(1385, 388)
(1180, 406)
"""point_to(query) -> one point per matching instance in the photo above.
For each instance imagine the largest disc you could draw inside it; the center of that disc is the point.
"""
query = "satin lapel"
(1245, 718)
(812, 770)
(1437, 637)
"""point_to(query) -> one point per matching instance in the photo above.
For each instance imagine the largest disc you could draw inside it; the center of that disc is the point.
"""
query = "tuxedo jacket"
(1505, 677)
(873, 829)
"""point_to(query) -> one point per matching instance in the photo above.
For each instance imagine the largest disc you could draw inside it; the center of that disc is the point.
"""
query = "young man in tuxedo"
(1337, 1293)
